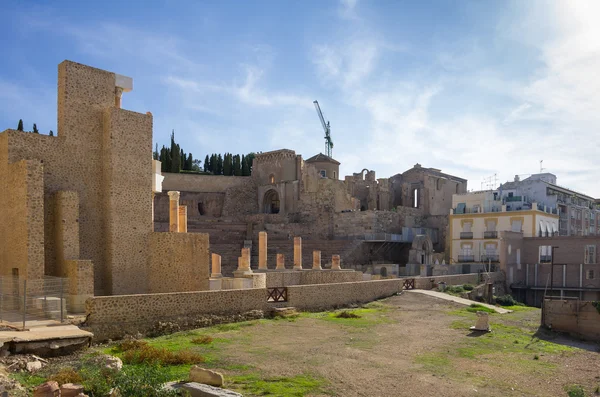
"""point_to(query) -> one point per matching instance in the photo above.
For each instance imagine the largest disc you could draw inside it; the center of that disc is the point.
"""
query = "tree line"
(34, 131)
(174, 159)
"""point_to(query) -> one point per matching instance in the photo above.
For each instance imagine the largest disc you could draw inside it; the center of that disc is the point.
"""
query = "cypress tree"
(250, 159)
(35, 130)
(189, 162)
(51, 133)
(227, 165)
(237, 166)
(219, 164)
(206, 163)
(154, 154)
(20, 125)
(245, 169)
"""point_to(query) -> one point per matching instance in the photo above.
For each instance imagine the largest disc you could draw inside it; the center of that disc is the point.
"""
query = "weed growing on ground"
(202, 340)
(66, 375)
(146, 354)
(454, 289)
(575, 391)
(347, 314)
(468, 287)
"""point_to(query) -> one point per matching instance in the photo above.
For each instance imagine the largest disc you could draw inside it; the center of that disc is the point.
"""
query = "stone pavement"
(462, 301)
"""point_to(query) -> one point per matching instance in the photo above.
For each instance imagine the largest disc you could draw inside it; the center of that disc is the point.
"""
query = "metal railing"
(466, 258)
(493, 234)
(490, 257)
(466, 235)
(545, 258)
(23, 301)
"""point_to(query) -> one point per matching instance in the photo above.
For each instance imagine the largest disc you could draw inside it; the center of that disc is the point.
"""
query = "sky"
(482, 90)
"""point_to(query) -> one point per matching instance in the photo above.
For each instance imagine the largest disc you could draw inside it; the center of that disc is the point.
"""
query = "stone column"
(216, 266)
(280, 262)
(173, 211)
(336, 262)
(317, 260)
(183, 219)
(262, 251)
(297, 253)
(243, 264)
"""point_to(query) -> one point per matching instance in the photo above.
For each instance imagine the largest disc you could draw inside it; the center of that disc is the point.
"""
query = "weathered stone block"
(206, 376)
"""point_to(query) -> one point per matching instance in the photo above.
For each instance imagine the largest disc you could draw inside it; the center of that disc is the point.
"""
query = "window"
(572, 214)
(519, 258)
(490, 226)
(515, 226)
(272, 178)
(589, 275)
(545, 254)
(323, 173)
(334, 175)
(590, 254)
(467, 227)
(415, 198)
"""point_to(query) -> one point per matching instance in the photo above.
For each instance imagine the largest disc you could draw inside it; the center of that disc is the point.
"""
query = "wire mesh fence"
(24, 301)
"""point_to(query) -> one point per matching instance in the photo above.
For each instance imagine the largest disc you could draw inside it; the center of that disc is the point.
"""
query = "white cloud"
(347, 9)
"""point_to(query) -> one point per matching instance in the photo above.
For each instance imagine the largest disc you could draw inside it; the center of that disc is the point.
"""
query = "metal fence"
(27, 301)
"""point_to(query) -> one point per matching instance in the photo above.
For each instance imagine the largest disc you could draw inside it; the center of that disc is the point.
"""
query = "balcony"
(513, 198)
(466, 258)
(466, 235)
(490, 234)
(490, 258)
(545, 258)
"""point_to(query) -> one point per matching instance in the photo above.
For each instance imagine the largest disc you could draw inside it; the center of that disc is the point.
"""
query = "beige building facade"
(478, 218)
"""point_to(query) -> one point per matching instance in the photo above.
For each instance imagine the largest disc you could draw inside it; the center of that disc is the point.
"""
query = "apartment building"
(477, 218)
(565, 266)
(579, 214)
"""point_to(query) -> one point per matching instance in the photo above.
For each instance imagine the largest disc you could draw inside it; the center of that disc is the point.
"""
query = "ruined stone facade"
(79, 204)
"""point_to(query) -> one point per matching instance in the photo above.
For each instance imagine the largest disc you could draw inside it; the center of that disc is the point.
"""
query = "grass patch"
(202, 340)
(366, 317)
(476, 307)
(140, 352)
(454, 290)
(28, 380)
(435, 363)
(296, 386)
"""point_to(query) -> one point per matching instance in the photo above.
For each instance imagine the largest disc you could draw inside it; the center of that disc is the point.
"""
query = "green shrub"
(575, 391)
(143, 381)
(97, 381)
(506, 300)
(66, 375)
(454, 289)
(468, 287)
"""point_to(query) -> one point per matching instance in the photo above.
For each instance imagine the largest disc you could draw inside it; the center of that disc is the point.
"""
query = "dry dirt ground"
(414, 345)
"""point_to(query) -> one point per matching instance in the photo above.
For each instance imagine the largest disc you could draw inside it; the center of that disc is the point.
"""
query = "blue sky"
(473, 88)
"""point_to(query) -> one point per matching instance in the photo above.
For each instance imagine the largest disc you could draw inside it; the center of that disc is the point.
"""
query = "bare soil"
(412, 351)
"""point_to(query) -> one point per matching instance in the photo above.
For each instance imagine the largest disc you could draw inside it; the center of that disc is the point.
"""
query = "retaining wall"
(578, 318)
(309, 277)
(326, 296)
(115, 316)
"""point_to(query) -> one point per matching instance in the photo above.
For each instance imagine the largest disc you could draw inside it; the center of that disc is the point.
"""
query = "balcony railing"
(545, 258)
(490, 258)
(466, 258)
(490, 234)
(466, 235)
(514, 198)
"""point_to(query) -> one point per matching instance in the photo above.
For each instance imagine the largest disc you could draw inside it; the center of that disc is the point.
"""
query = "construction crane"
(326, 128)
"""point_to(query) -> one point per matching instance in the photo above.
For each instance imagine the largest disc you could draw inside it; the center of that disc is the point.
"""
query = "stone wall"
(321, 297)
(178, 262)
(308, 277)
(199, 205)
(578, 318)
(241, 200)
(111, 317)
(201, 183)
(458, 279)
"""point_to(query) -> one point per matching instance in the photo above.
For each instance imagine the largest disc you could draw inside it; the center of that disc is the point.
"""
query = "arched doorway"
(271, 202)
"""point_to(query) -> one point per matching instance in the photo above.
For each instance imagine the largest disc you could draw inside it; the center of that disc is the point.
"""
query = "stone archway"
(421, 250)
(271, 202)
